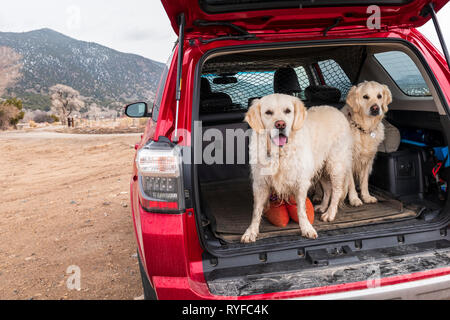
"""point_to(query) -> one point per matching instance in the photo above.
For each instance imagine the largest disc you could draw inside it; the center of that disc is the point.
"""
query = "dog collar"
(373, 134)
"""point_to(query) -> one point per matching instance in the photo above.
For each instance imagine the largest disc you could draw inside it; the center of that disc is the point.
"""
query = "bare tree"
(10, 65)
(65, 100)
(117, 109)
(94, 111)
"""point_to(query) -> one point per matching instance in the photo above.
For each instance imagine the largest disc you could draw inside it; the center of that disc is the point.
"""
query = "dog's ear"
(352, 99)
(299, 114)
(387, 98)
(253, 116)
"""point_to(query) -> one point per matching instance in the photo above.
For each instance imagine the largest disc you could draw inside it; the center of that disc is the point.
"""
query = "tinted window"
(404, 72)
(161, 87)
(335, 76)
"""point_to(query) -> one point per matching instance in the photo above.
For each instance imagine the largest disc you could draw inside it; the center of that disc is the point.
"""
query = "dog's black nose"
(375, 110)
(280, 125)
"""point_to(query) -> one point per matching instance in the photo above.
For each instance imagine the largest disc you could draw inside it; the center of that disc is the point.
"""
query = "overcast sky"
(135, 26)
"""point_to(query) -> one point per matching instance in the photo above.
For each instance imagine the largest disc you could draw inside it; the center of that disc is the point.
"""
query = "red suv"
(191, 187)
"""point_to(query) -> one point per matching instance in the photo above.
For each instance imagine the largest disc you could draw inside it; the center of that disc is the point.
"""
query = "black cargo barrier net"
(230, 83)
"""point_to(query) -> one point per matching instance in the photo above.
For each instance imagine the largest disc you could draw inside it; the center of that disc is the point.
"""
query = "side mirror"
(137, 110)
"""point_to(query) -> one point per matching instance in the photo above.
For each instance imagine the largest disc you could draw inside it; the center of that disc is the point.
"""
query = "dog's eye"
(287, 111)
(269, 112)
(366, 97)
(380, 96)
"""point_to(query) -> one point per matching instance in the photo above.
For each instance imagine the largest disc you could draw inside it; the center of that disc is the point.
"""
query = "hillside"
(100, 74)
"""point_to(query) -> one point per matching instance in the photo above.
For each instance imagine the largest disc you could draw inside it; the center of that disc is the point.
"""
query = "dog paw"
(320, 208)
(369, 199)
(308, 232)
(328, 216)
(355, 202)
(249, 236)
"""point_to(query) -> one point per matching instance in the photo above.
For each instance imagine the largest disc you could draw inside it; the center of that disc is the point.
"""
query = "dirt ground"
(65, 202)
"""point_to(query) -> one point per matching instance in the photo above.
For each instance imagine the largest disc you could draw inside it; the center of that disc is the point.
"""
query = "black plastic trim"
(149, 291)
(274, 5)
(319, 267)
(297, 241)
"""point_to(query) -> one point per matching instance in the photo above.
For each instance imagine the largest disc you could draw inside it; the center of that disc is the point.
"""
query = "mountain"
(100, 74)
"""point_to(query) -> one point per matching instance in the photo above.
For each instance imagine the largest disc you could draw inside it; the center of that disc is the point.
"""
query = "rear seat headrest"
(323, 94)
(215, 102)
(286, 81)
(222, 117)
(212, 101)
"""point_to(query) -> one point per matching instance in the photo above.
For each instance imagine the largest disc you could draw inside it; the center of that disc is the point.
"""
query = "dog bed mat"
(229, 205)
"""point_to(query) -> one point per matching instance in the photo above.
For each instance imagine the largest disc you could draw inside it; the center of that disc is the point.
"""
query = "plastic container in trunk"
(399, 173)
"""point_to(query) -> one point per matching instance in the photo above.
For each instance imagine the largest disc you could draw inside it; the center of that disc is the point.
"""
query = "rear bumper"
(436, 288)
(432, 284)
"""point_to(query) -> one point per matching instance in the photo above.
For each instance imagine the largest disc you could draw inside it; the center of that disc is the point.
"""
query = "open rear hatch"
(294, 15)
(396, 237)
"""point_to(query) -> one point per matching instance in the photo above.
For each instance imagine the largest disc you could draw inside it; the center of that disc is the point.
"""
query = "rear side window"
(161, 87)
(335, 76)
(404, 72)
(252, 84)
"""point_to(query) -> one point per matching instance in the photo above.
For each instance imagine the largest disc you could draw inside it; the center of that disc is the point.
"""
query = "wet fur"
(319, 139)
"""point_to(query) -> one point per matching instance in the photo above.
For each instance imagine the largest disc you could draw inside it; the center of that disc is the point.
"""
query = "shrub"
(10, 113)
(42, 117)
(9, 116)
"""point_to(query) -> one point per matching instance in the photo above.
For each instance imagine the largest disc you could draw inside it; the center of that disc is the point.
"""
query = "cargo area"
(231, 220)
(409, 176)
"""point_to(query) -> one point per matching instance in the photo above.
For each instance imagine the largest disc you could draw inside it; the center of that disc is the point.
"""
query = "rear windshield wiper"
(334, 25)
(243, 34)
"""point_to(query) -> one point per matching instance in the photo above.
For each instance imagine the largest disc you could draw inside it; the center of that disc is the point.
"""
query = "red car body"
(169, 245)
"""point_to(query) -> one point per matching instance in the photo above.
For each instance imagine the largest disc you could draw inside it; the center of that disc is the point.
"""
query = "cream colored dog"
(367, 103)
(290, 146)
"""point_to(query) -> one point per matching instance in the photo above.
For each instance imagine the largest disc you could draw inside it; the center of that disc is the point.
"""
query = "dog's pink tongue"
(280, 141)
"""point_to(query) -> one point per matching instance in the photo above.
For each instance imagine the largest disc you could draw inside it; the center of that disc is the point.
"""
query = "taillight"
(160, 177)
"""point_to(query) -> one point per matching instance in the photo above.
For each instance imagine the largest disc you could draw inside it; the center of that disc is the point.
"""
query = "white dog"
(289, 147)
